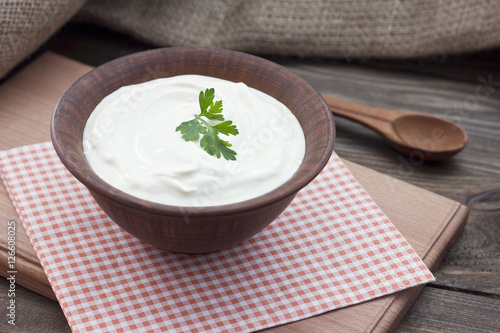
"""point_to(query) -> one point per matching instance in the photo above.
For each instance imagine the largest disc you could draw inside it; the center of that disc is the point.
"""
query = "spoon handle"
(375, 118)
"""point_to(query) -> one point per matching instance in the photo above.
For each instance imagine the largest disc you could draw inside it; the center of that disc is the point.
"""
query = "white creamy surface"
(130, 141)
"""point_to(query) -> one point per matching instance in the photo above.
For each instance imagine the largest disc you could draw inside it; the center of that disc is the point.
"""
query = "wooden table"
(466, 295)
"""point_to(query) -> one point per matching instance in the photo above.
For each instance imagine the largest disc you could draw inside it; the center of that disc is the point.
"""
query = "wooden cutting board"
(431, 223)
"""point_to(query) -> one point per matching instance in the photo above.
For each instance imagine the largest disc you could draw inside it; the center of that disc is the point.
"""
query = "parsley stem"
(204, 121)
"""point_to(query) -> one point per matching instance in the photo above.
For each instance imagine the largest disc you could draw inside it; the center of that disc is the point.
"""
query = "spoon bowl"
(437, 139)
(413, 134)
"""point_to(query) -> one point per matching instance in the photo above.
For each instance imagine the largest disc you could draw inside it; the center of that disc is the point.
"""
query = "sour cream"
(130, 142)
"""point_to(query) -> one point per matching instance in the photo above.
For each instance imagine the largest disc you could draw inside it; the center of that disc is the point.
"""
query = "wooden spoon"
(417, 135)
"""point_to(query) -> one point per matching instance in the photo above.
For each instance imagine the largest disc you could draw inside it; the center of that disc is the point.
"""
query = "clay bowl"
(192, 229)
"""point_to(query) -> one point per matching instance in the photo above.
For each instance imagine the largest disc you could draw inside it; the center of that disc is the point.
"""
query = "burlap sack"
(26, 24)
(328, 28)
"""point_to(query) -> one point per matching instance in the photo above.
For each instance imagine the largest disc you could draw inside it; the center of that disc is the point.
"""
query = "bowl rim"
(98, 185)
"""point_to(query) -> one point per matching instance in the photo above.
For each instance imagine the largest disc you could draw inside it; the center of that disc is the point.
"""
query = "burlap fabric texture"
(328, 28)
(26, 24)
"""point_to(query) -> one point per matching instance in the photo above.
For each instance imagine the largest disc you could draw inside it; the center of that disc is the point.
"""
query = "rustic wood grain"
(469, 274)
(473, 264)
(463, 67)
(34, 313)
(441, 311)
(441, 216)
(15, 123)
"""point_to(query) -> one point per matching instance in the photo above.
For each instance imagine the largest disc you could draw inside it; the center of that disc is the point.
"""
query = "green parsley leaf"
(226, 128)
(191, 130)
(216, 107)
(206, 99)
(210, 141)
(214, 116)
(214, 146)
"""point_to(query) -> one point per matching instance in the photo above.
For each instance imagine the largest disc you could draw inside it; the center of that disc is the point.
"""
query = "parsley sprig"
(210, 141)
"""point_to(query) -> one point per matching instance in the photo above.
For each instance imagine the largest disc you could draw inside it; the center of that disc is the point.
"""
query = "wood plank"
(392, 308)
(45, 84)
(396, 84)
(468, 265)
(429, 222)
(25, 120)
(470, 313)
(34, 313)
(473, 264)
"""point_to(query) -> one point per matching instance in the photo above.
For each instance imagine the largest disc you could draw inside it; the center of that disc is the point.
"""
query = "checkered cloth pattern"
(332, 247)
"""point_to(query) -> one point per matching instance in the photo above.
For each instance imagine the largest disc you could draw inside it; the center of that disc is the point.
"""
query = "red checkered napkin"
(332, 247)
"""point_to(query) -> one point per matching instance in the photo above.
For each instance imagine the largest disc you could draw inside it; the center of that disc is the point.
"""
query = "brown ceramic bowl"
(192, 229)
